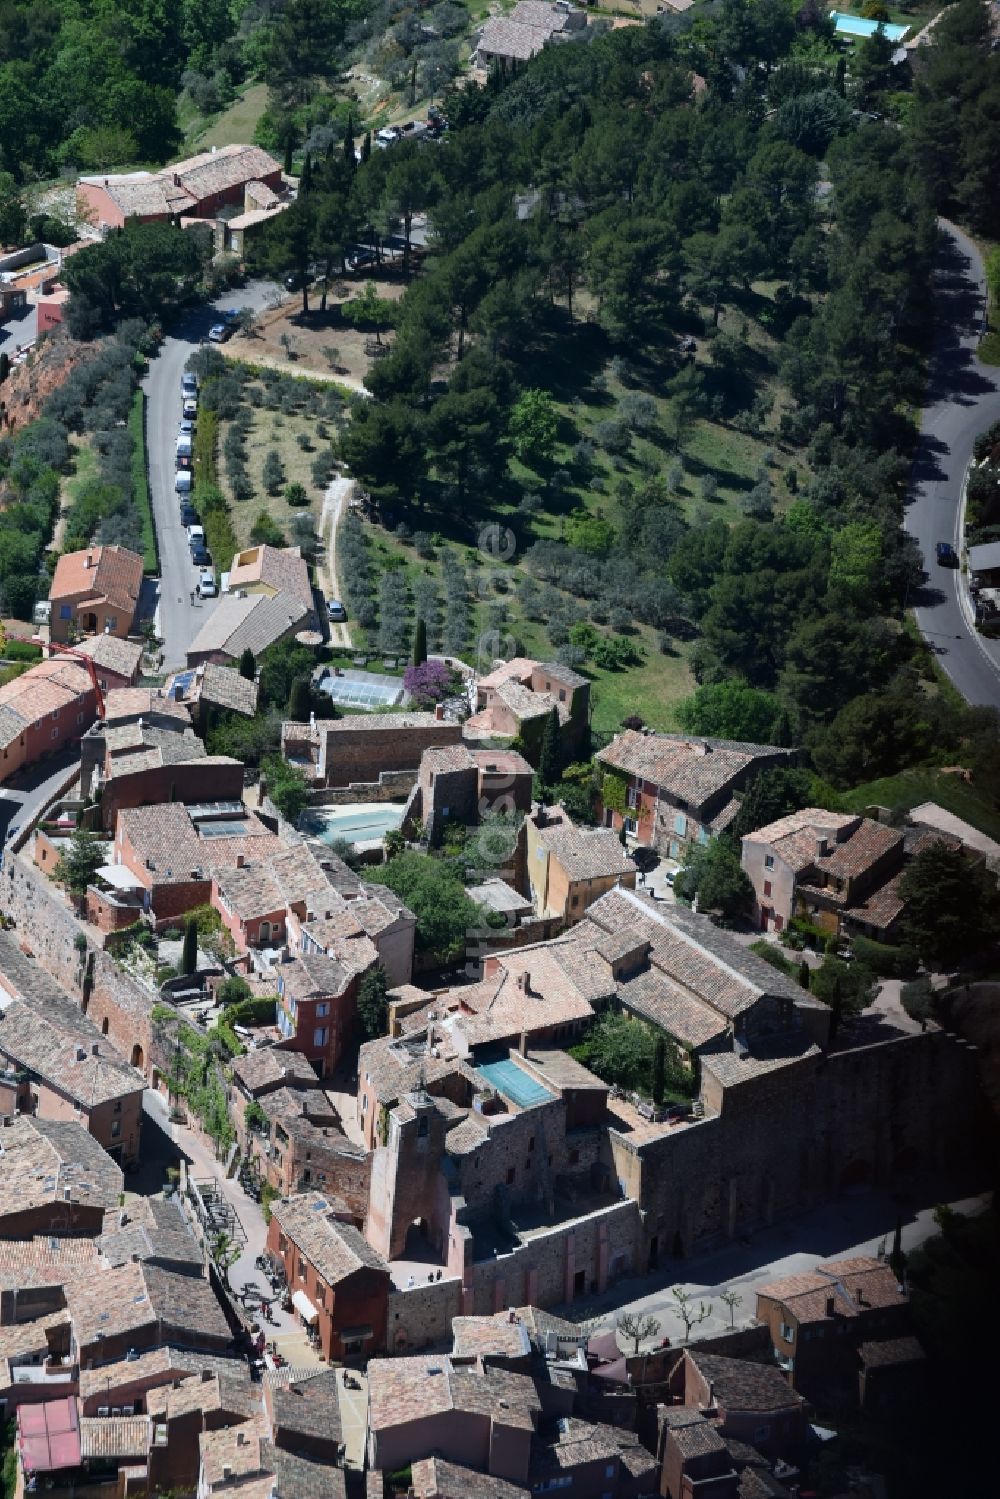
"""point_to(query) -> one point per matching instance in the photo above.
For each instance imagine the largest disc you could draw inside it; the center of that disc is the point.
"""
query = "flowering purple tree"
(429, 683)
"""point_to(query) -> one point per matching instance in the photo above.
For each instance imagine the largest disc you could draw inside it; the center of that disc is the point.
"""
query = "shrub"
(295, 495)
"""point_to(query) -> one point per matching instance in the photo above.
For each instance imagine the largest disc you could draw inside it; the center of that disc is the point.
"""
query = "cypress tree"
(366, 147)
(248, 665)
(420, 643)
(349, 158)
(300, 700)
(189, 952)
(804, 974)
(548, 760)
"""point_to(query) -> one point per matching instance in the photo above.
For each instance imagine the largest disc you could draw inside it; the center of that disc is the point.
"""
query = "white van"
(182, 481)
(184, 446)
(196, 536)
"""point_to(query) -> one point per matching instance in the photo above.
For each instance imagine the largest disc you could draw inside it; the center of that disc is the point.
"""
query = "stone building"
(568, 867)
(95, 592)
(54, 1179)
(340, 752)
(517, 697)
(462, 785)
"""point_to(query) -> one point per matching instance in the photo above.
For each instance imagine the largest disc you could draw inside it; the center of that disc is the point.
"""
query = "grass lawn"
(234, 126)
(273, 430)
(911, 787)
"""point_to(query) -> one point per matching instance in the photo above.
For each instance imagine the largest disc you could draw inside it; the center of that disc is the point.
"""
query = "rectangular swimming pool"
(847, 25)
(367, 822)
(510, 1080)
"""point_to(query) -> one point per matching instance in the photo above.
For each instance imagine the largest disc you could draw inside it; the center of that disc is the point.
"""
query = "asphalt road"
(178, 618)
(963, 398)
(23, 797)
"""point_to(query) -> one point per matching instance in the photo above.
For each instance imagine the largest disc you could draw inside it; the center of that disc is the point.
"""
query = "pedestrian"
(192, 596)
(410, 1283)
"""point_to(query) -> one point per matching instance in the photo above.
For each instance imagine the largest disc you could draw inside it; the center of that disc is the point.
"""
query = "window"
(116, 1128)
(65, 611)
(574, 901)
(319, 1035)
(633, 797)
(111, 621)
(767, 887)
(680, 823)
(118, 1105)
(364, 1103)
(510, 1177)
(609, 1471)
(787, 1332)
(574, 1157)
(562, 695)
(55, 734)
(422, 1127)
(322, 1010)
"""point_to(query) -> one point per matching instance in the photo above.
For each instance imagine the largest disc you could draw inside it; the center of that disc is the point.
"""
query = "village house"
(462, 785)
(570, 867)
(54, 1179)
(95, 592)
(73, 1074)
(695, 1458)
(144, 763)
(142, 1305)
(239, 1461)
(269, 571)
(34, 1362)
(246, 622)
(208, 687)
(836, 869)
(516, 698)
(116, 660)
(218, 1398)
(531, 25)
(672, 791)
(338, 1284)
(752, 1403)
(155, 1229)
(44, 710)
(304, 1416)
(173, 852)
(200, 187)
(129, 1383)
(818, 1320)
(316, 1007)
(366, 750)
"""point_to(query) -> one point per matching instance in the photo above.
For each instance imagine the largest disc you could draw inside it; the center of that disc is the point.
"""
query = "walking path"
(339, 492)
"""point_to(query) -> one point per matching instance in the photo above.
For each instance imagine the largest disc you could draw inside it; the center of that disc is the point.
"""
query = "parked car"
(219, 332)
(946, 554)
(185, 427)
(335, 611)
(206, 584)
(189, 515)
(190, 408)
(196, 533)
(200, 555)
(183, 481)
(189, 384)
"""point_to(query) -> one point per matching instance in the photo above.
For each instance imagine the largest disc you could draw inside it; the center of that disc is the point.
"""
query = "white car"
(206, 584)
(183, 481)
(190, 408)
(196, 535)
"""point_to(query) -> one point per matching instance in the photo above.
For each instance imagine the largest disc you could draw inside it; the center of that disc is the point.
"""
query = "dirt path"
(339, 492)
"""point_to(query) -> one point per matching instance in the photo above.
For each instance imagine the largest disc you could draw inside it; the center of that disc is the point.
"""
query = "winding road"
(179, 617)
(963, 398)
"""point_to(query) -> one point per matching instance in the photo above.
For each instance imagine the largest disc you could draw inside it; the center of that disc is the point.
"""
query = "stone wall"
(420, 1317)
(391, 786)
(48, 929)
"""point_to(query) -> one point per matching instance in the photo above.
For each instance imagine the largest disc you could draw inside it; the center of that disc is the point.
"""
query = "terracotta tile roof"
(134, 1296)
(880, 908)
(309, 1408)
(232, 1452)
(853, 844)
(587, 853)
(151, 1228)
(21, 1258)
(48, 1161)
(111, 573)
(575, 1442)
(267, 1067)
(433, 1478)
(114, 1436)
(742, 1386)
(278, 569)
(207, 1390)
(690, 769)
(109, 653)
(87, 1074)
(691, 1433)
(212, 172)
(526, 704)
(312, 975)
(166, 841)
(335, 1250)
(171, 1363)
(122, 703)
(223, 686)
(497, 1335)
(891, 1351)
(44, 689)
(392, 1068)
(12, 725)
(518, 669)
(407, 1389)
(446, 757)
(253, 623)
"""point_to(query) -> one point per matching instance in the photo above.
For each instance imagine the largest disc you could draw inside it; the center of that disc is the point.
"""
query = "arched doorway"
(137, 1056)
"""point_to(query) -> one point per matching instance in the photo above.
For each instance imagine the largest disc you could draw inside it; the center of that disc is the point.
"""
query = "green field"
(911, 787)
(234, 127)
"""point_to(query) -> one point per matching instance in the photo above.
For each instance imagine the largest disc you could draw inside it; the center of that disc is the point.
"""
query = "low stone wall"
(391, 786)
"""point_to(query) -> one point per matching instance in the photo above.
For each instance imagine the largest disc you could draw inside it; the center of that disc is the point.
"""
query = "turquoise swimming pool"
(514, 1083)
(365, 823)
(848, 25)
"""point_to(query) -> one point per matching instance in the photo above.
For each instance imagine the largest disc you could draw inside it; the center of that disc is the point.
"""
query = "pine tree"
(189, 952)
(659, 1069)
(549, 759)
(300, 700)
(420, 643)
(248, 665)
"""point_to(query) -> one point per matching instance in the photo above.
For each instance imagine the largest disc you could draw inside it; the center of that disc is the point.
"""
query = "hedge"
(888, 962)
(140, 482)
(258, 1011)
(22, 650)
(209, 501)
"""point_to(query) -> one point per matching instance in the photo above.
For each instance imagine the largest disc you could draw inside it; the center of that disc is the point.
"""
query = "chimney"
(88, 561)
(439, 711)
(860, 1296)
(95, 1048)
(830, 1305)
(177, 179)
(81, 1054)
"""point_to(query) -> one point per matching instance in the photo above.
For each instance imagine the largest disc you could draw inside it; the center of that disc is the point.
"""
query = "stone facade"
(342, 751)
